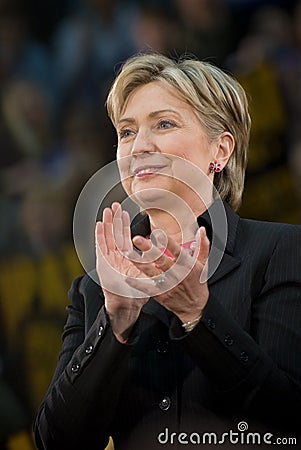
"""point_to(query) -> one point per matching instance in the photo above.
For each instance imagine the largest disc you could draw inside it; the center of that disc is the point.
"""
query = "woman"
(173, 347)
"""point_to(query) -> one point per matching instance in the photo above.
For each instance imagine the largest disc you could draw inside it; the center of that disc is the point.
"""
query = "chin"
(153, 197)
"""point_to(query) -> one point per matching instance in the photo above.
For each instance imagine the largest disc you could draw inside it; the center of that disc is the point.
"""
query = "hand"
(113, 241)
(184, 290)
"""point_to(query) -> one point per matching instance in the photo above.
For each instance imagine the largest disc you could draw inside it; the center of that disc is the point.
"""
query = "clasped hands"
(129, 277)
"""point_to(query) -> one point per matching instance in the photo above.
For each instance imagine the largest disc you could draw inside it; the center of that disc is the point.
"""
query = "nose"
(143, 143)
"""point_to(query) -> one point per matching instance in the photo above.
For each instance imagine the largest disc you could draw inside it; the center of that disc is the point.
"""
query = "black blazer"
(242, 362)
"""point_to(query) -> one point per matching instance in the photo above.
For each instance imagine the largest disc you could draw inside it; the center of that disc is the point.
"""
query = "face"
(161, 139)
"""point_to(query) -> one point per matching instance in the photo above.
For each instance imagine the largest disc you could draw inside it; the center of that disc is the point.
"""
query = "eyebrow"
(151, 115)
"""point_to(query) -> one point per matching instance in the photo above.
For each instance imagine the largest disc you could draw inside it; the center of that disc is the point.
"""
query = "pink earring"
(214, 167)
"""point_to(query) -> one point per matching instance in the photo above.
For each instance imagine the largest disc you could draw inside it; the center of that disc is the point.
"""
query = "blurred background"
(57, 61)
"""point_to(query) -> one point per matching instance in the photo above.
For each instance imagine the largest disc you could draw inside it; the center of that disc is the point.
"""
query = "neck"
(180, 227)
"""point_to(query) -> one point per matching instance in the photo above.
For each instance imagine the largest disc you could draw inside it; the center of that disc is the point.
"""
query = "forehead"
(153, 96)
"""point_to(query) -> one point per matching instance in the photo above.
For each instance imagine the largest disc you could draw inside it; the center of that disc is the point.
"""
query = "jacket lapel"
(221, 259)
(226, 265)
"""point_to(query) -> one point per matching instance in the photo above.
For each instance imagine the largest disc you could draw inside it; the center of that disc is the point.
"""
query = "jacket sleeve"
(79, 405)
(258, 372)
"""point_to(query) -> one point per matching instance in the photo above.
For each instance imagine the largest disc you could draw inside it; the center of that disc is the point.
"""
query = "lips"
(144, 171)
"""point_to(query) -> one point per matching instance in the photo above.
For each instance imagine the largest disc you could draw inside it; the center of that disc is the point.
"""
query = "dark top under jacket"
(242, 362)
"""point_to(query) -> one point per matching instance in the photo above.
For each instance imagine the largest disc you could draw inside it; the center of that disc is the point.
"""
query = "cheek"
(124, 163)
(126, 184)
(123, 150)
(193, 174)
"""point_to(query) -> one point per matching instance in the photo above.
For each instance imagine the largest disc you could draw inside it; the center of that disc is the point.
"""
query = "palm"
(113, 267)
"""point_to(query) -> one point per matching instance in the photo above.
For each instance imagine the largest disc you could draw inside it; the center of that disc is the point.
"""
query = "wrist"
(122, 323)
(191, 324)
(123, 317)
(123, 334)
(191, 319)
(191, 315)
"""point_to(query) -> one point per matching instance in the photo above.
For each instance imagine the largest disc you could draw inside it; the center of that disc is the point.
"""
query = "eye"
(125, 133)
(166, 124)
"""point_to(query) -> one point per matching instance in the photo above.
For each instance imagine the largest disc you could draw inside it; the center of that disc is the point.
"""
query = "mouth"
(146, 171)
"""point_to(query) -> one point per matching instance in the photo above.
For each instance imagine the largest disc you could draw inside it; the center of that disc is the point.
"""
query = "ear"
(224, 147)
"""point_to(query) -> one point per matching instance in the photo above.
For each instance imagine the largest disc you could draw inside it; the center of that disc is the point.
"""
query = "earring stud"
(214, 167)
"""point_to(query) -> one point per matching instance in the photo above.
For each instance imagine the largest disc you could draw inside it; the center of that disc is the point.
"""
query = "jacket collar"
(218, 215)
(221, 223)
(221, 259)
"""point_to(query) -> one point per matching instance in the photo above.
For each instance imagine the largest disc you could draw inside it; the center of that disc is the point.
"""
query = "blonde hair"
(219, 100)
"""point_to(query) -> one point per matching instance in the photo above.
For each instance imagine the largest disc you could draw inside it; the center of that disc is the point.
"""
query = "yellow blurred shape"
(20, 441)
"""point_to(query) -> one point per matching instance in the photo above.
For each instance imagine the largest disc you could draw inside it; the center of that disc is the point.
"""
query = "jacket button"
(89, 350)
(165, 403)
(211, 324)
(228, 339)
(75, 367)
(244, 357)
(162, 346)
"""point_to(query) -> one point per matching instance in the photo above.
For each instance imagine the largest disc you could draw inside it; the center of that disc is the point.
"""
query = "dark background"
(57, 60)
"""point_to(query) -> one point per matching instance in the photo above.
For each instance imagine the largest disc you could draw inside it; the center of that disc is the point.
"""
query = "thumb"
(202, 245)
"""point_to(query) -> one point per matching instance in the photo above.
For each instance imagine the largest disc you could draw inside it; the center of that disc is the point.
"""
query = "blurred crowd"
(57, 60)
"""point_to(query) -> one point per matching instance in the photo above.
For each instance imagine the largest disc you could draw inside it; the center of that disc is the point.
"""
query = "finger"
(145, 285)
(203, 246)
(121, 228)
(180, 263)
(117, 226)
(108, 228)
(116, 208)
(107, 215)
(145, 265)
(151, 253)
(127, 240)
(153, 261)
(142, 243)
(147, 269)
(100, 239)
(176, 251)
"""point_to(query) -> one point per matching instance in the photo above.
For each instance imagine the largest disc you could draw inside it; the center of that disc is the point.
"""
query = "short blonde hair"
(219, 100)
